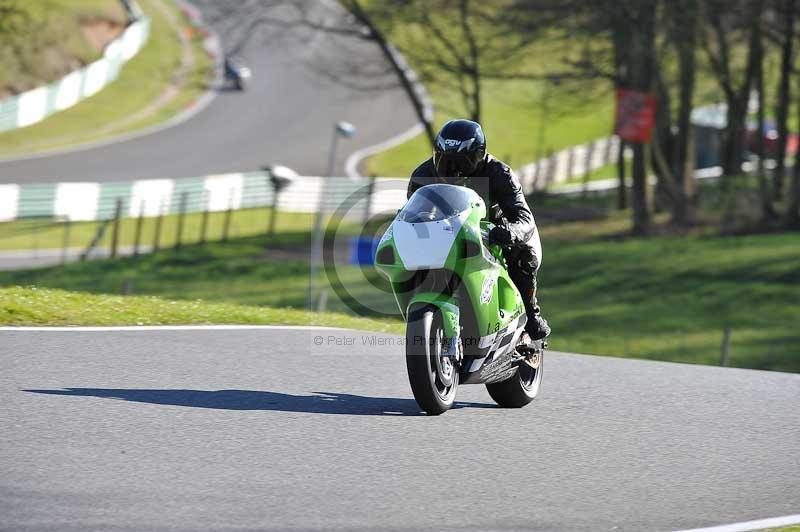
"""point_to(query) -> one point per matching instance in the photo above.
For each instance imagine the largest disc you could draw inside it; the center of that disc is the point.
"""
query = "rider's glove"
(500, 235)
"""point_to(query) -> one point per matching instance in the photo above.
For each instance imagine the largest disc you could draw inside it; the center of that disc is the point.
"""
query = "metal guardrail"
(157, 197)
(575, 161)
(37, 104)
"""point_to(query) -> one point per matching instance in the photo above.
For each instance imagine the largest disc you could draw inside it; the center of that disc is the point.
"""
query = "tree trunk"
(639, 199)
(643, 59)
(763, 186)
(683, 212)
(793, 214)
(622, 189)
(733, 147)
(784, 96)
(620, 37)
(661, 152)
(732, 138)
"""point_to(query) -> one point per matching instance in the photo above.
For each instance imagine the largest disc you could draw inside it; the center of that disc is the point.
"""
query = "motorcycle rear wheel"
(433, 377)
(520, 389)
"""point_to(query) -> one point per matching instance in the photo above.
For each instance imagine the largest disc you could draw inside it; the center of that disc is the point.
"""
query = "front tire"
(520, 389)
(433, 377)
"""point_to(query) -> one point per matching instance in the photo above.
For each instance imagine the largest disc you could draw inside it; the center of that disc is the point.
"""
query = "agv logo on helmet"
(455, 143)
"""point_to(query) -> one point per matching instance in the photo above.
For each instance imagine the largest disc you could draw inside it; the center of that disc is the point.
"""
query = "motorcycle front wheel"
(432, 374)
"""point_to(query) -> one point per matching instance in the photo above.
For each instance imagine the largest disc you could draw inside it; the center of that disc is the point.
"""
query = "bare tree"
(787, 12)
(684, 34)
(642, 77)
(767, 210)
(461, 43)
(672, 149)
(793, 213)
(727, 22)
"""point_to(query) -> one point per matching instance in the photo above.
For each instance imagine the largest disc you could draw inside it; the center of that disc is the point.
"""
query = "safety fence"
(65, 221)
(564, 165)
(37, 104)
(158, 197)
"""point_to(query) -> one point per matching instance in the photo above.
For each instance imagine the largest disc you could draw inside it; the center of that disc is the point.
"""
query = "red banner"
(636, 116)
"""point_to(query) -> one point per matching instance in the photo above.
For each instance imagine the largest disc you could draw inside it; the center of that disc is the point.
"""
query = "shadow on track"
(318, 403)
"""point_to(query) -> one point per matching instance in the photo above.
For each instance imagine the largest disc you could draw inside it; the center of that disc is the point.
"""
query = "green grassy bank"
(46, 39)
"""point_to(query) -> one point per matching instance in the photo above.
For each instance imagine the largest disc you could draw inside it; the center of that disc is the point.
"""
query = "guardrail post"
(127, 286)
(274, 214)
(228, 214)
(157, 231)
(137, 239)
(587, 170)
(607, 145)
(726, 345)
(65, 243)
(552, 167)
(181, 216)
(115, 232)
(96, 240)
(204, 222)
(570, 163)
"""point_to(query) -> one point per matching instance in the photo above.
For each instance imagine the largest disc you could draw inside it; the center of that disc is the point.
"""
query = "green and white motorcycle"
(464, 315)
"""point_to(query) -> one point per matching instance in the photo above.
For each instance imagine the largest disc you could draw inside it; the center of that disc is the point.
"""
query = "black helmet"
(459, 148)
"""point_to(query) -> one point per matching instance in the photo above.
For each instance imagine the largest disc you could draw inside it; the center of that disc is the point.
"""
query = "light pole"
(341, 129)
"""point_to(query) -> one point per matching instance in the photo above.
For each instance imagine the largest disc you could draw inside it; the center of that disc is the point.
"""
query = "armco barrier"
(154, 197)
(35, 105)
(571, 162)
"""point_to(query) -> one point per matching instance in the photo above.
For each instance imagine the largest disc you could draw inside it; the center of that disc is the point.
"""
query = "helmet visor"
(454, 165)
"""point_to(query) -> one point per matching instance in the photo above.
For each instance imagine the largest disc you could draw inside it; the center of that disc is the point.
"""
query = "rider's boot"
(536, 327)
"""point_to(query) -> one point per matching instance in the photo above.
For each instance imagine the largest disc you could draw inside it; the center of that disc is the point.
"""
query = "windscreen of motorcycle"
(437, 202)
(427, 227)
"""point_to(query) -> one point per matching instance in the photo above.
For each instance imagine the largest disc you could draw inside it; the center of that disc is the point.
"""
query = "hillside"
(42, 41)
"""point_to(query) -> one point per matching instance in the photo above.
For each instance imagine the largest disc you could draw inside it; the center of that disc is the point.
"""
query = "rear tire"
(520, 389)
(434, 387)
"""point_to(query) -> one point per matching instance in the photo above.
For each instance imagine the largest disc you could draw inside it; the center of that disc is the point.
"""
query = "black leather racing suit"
(506, 207)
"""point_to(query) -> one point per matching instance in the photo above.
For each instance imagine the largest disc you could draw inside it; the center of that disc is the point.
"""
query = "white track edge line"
(115, 328)
(351, 165)
(747, 526)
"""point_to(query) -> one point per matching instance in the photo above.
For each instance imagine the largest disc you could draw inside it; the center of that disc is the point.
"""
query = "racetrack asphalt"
(317, 430)
(285, 117)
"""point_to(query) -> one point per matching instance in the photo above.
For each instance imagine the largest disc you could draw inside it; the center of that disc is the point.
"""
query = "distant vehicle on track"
(237, 73)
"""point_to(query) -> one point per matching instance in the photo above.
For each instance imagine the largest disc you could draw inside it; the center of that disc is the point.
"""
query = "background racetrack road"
(265, 430)
(285, 117)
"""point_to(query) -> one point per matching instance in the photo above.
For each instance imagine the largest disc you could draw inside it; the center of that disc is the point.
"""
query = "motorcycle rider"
(460, 158)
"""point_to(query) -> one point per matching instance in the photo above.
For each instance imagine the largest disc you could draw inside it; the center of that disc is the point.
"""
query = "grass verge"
(141, 82)
(664, 298)
(44, 234)
(40, 306)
